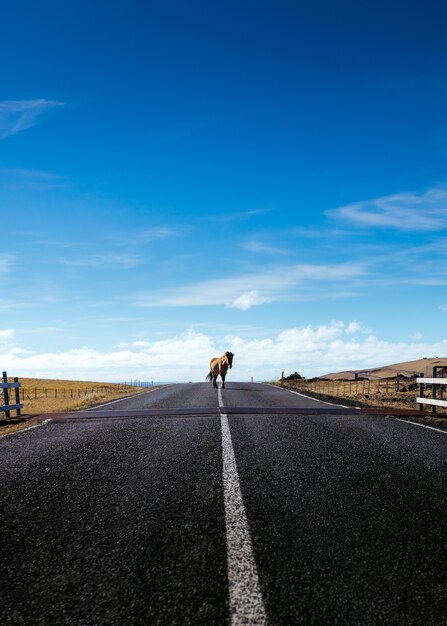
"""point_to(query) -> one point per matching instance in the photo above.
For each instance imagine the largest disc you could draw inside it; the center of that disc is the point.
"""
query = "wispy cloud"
(320, 233)
(417, 265)
(239, 216)
(262, 248)
(248, 299)
(250, 289)
(403, 211)
(122, 319)
(148, 235)
(157, 232)
(19, 178)
(5, 263)
(105, 261)
(18, 115)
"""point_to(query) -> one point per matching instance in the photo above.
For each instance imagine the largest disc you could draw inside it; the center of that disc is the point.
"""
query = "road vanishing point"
(245, 505)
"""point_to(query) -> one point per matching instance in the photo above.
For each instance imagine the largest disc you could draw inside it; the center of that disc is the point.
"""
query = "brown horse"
(219, 367)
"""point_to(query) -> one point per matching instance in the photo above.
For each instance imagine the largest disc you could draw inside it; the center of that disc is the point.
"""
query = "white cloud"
(403, 211)
(6, 334)
(355, 327)
(247, 300)
(310, 350)
(443, 307)
(18, 115)
(134, 344)
(278, 283)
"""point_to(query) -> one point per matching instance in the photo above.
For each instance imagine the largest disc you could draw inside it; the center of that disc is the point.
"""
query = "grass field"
(380, 393)
(50, 396)
(47, 396)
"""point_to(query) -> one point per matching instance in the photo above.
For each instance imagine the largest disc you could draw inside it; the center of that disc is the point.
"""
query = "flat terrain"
(292, 513)
(43, 395)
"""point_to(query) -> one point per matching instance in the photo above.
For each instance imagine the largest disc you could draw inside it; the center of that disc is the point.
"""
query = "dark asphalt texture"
(122, 521)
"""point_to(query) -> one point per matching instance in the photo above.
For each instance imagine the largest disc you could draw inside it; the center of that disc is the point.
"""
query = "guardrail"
(434, 401)
(7, 408)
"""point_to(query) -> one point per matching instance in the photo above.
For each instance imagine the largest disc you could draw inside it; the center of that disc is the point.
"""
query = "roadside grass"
(368, 396)
(13, 428)
(364, 393)
(41, 396)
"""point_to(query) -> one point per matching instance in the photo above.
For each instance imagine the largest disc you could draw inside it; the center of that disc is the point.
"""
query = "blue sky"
(178, 179)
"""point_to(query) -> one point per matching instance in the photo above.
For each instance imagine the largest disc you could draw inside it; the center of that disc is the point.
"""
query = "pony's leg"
(223, 381)
(215, 382)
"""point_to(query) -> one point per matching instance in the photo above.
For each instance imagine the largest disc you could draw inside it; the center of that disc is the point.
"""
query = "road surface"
(209, 518)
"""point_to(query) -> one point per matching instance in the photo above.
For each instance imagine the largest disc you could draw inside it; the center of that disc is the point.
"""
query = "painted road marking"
(438, 430)
(322, 401)
(98, 406)
(24, 430)
(246, 604)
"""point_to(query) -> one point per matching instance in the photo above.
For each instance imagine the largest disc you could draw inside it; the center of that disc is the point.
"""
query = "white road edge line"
(98, 406)
(322, 401)
(246, 604)
(438, 430)
(23, 430)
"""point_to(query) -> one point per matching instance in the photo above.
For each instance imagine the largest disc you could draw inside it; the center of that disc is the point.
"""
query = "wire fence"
(357, 387)
(39, 393)
(364, 388)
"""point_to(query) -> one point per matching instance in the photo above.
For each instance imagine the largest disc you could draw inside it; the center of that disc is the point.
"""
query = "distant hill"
(407, 368)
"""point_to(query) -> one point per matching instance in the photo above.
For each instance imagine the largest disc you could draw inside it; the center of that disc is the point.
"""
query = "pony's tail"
(210, 376)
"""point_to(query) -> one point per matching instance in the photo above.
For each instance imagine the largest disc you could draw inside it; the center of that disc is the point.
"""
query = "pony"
(219, 367)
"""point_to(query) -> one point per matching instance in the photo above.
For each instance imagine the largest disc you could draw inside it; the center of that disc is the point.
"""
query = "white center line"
(246, 605)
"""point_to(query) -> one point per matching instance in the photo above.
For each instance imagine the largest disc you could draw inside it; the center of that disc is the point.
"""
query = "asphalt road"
(208, 519)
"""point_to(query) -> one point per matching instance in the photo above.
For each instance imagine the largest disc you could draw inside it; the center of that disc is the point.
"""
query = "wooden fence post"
(421, 393)
(6, 395)
(433, 392)
(17, 392)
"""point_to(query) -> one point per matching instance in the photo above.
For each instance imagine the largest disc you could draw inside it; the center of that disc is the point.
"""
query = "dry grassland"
(50, 396)
(41, 396)
(377, 393)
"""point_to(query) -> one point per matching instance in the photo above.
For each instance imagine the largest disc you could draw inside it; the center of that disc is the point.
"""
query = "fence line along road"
(434, 401)
(7, 408)
(432, 391)
(38, 393)
(359, 386)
